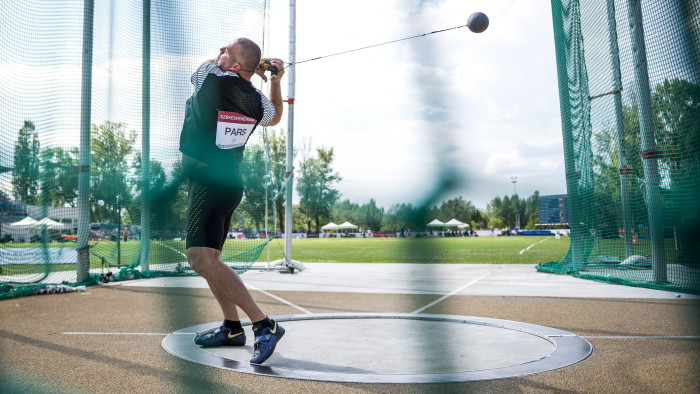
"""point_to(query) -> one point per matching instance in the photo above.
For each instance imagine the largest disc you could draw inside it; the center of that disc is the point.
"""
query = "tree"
(371, 215)
(676, 111)
(532, 211)
(254, 179)
(315, 186)
(59, 180)
(110, 150)
(25, 175)
(367, 216)
(346, 210)
(177, 213)
(456, 208)
(676, 105)
(404, 216)
(496, 223)
(161, 208)
(277, 156)
(505, 209)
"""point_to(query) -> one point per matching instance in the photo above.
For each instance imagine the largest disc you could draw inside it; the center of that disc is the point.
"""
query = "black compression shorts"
(212, 200)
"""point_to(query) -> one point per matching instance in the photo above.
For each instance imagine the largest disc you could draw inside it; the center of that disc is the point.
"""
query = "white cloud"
(483, 104)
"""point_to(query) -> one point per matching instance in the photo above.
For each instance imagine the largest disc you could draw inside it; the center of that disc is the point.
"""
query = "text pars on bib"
(233, 129)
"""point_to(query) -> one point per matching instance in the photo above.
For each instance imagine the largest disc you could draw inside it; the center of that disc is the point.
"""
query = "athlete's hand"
(280, 70)
(274, 78)
(261, 73)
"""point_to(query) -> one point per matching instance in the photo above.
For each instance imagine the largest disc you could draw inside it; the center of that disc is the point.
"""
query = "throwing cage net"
(629, 82)
(93, 98)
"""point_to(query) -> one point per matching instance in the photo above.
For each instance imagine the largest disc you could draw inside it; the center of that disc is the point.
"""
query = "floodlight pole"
(514, 180)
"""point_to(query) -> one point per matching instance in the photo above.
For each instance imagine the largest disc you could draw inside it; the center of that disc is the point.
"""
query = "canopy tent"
(330, 226)
(455, 223)
(26, 222)
(346, 226)
(29, 222)
(436, 223)
(50, 224)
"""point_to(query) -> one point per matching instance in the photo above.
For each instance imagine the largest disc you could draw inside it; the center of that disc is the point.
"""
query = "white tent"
(25, 223)
(346, 226)
(50, 224)
(436, 223)
(454, 223)
(330, 226)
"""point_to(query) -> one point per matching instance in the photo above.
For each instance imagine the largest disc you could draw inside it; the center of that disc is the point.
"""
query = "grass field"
(458, 250)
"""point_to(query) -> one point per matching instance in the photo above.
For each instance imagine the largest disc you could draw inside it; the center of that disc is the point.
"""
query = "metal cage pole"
(146, 138)
(650, 155)
(288, 227)
(83, 268)
(573, 175)
(625, 171)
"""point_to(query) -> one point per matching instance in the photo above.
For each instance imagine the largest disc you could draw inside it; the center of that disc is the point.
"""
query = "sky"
(481, 107)
(484, 107)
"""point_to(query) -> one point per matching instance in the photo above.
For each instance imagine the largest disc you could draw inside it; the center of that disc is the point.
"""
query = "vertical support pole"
(625, 171)
(573, 176)
(691, 35)
(288, 230)
(146, 138)
(110, 56)
(83, 268)
(514, 180)
(119, 234)
(267, 194)
(650, 154)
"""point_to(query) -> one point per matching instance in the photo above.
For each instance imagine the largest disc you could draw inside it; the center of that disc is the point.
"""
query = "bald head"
(247, 53)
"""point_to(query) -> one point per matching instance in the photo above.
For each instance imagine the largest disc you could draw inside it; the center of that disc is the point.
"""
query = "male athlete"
(220, 117)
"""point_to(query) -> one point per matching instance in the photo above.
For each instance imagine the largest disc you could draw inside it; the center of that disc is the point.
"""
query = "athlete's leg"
(228, 288)
(210, 207)
(211, 204)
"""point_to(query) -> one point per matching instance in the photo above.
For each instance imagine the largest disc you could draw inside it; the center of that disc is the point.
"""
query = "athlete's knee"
(202, 260)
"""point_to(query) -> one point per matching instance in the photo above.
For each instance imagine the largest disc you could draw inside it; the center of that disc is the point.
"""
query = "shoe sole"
(220, 344)
(273, 347)
(241, 341)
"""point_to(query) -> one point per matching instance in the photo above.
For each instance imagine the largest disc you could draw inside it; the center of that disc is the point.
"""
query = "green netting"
(629, 82)
(115, 74)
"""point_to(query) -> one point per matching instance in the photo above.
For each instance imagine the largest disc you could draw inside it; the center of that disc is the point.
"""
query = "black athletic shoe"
(221, 336)
(265, 341)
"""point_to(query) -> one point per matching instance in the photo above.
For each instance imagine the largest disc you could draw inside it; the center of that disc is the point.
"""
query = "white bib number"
(233, 129)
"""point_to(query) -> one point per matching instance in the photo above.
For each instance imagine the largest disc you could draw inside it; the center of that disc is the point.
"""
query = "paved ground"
(645, 340)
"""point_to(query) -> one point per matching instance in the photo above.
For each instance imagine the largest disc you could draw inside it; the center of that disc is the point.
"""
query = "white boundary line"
(641, 337)
(171, 248)
(583, 336)
(255, 288)
(115, 333)
(279, 299)
(528, 248)
(451, 294)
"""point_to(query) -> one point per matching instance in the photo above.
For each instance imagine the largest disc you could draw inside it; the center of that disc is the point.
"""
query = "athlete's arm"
(276, 91)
